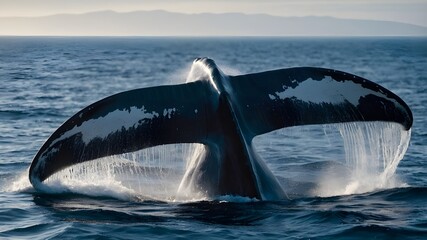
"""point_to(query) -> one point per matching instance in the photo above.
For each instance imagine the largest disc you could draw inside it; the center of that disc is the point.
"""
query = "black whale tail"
(222, 112)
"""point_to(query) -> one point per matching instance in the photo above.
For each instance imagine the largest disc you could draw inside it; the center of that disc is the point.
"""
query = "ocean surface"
(46, 80)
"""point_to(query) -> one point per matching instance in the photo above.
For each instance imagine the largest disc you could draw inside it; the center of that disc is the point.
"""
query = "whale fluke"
(224, 113)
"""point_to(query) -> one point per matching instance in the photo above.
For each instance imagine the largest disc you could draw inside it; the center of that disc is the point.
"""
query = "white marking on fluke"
(113, 122)
(327, 91)
(168, 112)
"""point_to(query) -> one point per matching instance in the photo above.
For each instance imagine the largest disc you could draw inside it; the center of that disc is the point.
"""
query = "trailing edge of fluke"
(224, 113)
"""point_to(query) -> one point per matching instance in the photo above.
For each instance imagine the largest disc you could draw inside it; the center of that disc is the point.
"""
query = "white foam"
(19, 184)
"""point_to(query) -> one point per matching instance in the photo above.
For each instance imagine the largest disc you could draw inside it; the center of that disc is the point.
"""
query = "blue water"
(45, 80)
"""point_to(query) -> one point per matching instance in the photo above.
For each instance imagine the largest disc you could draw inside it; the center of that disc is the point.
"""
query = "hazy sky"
(407, 11)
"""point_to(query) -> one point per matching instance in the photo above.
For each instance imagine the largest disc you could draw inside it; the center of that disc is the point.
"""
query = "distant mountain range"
(162, 23)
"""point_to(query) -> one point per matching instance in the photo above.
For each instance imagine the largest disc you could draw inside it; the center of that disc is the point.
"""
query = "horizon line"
(215, 36)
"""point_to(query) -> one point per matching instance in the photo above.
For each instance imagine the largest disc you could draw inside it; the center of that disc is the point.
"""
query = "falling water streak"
(380, 146)
(373, 151)
(187, 188)
(153, 173)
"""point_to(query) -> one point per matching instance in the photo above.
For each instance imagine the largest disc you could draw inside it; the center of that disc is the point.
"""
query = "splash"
(188, 187)
(199, 72)
(149, 174)
(373, 151)
(20, 183)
